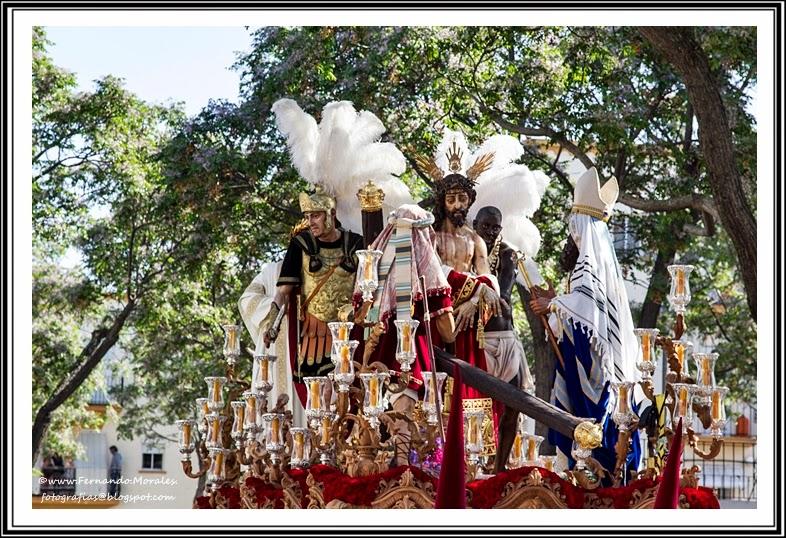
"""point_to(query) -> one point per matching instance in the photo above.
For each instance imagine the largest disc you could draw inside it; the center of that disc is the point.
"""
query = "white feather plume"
(522, 234)
(506, 149)
(542, 181)
(512, 190)
(368, 128)
(396, 194)
(302, 135)
(346, 153)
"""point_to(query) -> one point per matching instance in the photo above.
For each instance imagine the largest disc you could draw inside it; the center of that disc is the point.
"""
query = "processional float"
(253, 456)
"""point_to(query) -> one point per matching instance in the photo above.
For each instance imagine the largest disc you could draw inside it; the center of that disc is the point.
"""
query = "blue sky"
(159, 64)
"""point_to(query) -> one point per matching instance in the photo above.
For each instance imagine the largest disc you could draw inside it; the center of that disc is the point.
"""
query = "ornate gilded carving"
(690, 477)
(291, 492)
(316, 494)
(534, 478)
(489, 439)
(589, 477)
(248, 497)
(532, 492)
(406, 492)
(593, 500)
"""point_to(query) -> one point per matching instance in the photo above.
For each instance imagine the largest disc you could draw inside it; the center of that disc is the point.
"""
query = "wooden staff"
(434, 385)
(534, 293)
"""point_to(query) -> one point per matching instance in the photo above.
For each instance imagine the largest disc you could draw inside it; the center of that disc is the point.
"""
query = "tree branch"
(101, 341)
(689, 201)
(541, 131)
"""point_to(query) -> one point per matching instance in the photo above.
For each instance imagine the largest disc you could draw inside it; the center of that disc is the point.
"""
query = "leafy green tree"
(97, 188)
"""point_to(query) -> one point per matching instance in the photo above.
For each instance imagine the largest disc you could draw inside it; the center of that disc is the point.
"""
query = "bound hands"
(541, 300)
(465, 316)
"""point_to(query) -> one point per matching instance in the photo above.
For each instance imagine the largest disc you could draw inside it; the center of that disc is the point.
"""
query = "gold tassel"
(481, 332)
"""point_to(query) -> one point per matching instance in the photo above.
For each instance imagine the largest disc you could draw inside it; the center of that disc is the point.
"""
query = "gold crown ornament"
(589, 198)
(370, 197)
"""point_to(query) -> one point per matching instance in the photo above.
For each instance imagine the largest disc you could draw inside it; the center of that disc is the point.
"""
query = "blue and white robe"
(580, 389)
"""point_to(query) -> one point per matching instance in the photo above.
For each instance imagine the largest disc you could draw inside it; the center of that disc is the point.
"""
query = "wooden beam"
(530, 405)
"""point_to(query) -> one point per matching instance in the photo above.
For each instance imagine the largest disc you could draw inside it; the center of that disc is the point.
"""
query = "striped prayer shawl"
(407, 253)
(598, 304)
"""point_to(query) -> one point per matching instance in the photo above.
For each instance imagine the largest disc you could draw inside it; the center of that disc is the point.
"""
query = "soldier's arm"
(283, 294)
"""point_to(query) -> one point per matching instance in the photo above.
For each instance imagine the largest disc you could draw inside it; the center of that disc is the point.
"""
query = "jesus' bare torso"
(462, 249)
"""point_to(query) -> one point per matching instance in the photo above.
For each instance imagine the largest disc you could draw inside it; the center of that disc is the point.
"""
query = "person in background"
(115, 472)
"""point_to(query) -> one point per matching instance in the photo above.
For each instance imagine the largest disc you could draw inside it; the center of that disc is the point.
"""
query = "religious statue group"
(461, 249)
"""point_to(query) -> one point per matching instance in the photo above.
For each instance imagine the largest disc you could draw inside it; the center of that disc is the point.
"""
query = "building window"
(152, 457)
(622, 235)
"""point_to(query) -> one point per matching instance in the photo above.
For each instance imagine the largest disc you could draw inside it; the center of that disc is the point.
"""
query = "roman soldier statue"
(317, 274)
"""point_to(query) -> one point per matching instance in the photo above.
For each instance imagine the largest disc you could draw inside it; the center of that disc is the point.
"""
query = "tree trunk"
(658, 288)
(683, 52)
(101, 341)
(543, 369)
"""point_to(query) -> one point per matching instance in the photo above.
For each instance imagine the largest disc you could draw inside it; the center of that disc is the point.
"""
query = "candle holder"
(473, 434)
(623, 415)
(185, 441)
(344, 373)
(238, 420)
(679, 293)
(203, 409)
(274, 435)
(217, 470)
(340, 330)
(548, 462)
(430, 397)
(215, 393)
(367, 277)
(315, 401)
(215, 427)
(405, 348)
(516, 458)
(705, 376)
(581, 454)
(531, 448)
(263, 380)
(718, 411)
(300, 456)
(325, 437)
(647, 339)
(251, 415)
(231, 343)
(683, 405)
(682, 349)
(373, 403)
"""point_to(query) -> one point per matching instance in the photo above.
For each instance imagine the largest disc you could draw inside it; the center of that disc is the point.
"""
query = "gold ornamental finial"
(370, 197)
(588, 435)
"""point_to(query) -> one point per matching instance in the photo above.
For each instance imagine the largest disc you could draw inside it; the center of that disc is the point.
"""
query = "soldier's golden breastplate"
(334, 293)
